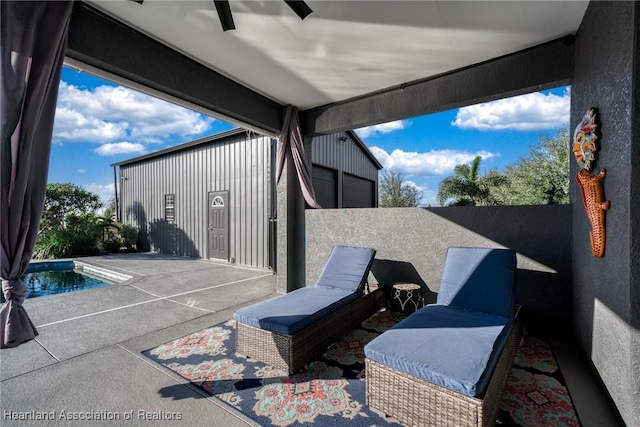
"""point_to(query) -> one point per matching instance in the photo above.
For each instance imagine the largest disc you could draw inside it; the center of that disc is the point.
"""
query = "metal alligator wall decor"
(584, 148)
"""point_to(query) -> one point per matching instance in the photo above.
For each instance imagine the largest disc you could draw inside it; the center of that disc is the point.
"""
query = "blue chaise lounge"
(293, 329)
(447, 364)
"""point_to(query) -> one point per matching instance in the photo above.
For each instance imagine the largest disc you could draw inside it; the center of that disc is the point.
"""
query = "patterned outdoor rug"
(331, 391)
(536, 393)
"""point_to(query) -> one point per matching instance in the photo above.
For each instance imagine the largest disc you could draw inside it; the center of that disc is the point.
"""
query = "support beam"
(106, 44)
(538, 68)
(291, 228)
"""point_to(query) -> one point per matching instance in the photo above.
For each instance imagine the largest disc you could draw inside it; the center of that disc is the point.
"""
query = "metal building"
(215, 197)
(345, 173)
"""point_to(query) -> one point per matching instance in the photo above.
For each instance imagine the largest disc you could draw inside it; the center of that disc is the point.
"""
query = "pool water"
(50, 278)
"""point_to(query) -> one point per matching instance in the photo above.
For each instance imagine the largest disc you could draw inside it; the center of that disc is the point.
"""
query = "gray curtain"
(291, 139)
(33, 43)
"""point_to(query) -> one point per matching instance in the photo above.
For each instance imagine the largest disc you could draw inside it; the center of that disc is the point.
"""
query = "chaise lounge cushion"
(341, 281)
(447, 346)
(290, 313)
(479, 279)
(347, 268)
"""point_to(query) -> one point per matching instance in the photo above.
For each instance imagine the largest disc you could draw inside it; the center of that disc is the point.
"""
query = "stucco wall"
(411, 244)
(606, 320)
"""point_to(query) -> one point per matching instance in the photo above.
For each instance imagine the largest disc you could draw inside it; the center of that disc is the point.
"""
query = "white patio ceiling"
(345, 49)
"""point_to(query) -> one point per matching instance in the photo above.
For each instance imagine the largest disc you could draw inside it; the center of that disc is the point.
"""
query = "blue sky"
(99, 123)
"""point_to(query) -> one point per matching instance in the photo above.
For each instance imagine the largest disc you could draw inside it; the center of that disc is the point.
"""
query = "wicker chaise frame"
(416, 402)
(291, 352)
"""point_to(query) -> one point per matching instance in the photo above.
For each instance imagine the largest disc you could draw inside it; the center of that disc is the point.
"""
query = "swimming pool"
(55, 277)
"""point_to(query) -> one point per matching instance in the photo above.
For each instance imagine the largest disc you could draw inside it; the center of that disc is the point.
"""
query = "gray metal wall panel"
(344, 156)
(238, 164)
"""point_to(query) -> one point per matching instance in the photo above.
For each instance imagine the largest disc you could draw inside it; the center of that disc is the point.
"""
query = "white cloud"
(82, 170)
(114, 148)
(430, 163)
(73, 126)
(414, 185)
(531, 112)
(104, 191)
(382, 128)
(106, 114)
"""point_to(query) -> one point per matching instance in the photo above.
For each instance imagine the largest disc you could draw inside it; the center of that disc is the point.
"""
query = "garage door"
(325, 187)
(357, 192)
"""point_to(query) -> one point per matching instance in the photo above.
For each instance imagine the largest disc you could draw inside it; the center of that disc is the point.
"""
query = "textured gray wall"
(411, 244)
(634, 227)
(606, 289)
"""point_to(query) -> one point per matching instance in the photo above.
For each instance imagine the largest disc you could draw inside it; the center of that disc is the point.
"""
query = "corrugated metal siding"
(344, 156)
(237, 164)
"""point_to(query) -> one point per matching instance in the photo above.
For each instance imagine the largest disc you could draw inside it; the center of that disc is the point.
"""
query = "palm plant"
(79, 236)
(468, 188)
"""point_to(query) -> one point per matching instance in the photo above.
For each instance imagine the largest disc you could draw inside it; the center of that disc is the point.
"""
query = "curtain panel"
(290, 139)
(33, 45)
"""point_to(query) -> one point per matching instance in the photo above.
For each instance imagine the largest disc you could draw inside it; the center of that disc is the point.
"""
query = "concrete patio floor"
(87, 358)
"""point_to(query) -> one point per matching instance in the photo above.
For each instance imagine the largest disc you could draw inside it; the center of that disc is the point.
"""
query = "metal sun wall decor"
(584, 148)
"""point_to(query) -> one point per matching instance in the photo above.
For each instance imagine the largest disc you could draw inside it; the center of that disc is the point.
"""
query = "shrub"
(79, 236)
(129, 236)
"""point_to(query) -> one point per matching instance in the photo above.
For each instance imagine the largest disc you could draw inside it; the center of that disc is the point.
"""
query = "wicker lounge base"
(291, 352)
(416, 402)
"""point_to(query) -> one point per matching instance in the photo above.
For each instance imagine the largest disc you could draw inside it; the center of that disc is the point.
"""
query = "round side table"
(408, 296)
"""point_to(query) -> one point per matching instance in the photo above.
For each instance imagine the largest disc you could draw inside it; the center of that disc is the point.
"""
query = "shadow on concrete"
(145, 256)
(180, 392)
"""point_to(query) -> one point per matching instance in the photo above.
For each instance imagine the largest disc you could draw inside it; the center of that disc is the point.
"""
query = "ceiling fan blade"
(299, 7)
(224, 13)
(226, 18)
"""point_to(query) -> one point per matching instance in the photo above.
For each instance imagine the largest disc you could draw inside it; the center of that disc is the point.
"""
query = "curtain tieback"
(14, 289)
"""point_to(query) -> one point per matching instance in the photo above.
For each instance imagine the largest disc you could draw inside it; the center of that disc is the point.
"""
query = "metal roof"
(220, 136)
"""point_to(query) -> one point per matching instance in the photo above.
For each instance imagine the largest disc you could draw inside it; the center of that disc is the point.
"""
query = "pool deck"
(87, 357)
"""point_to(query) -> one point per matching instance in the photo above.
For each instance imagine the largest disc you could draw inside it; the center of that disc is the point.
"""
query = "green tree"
(69, 225)
(393, 192)
(62, 200)
(468, 188)
(542, 177)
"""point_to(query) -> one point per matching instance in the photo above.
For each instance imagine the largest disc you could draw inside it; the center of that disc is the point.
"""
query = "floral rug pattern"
(331, 391)
(536, 395)
(209, 341)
